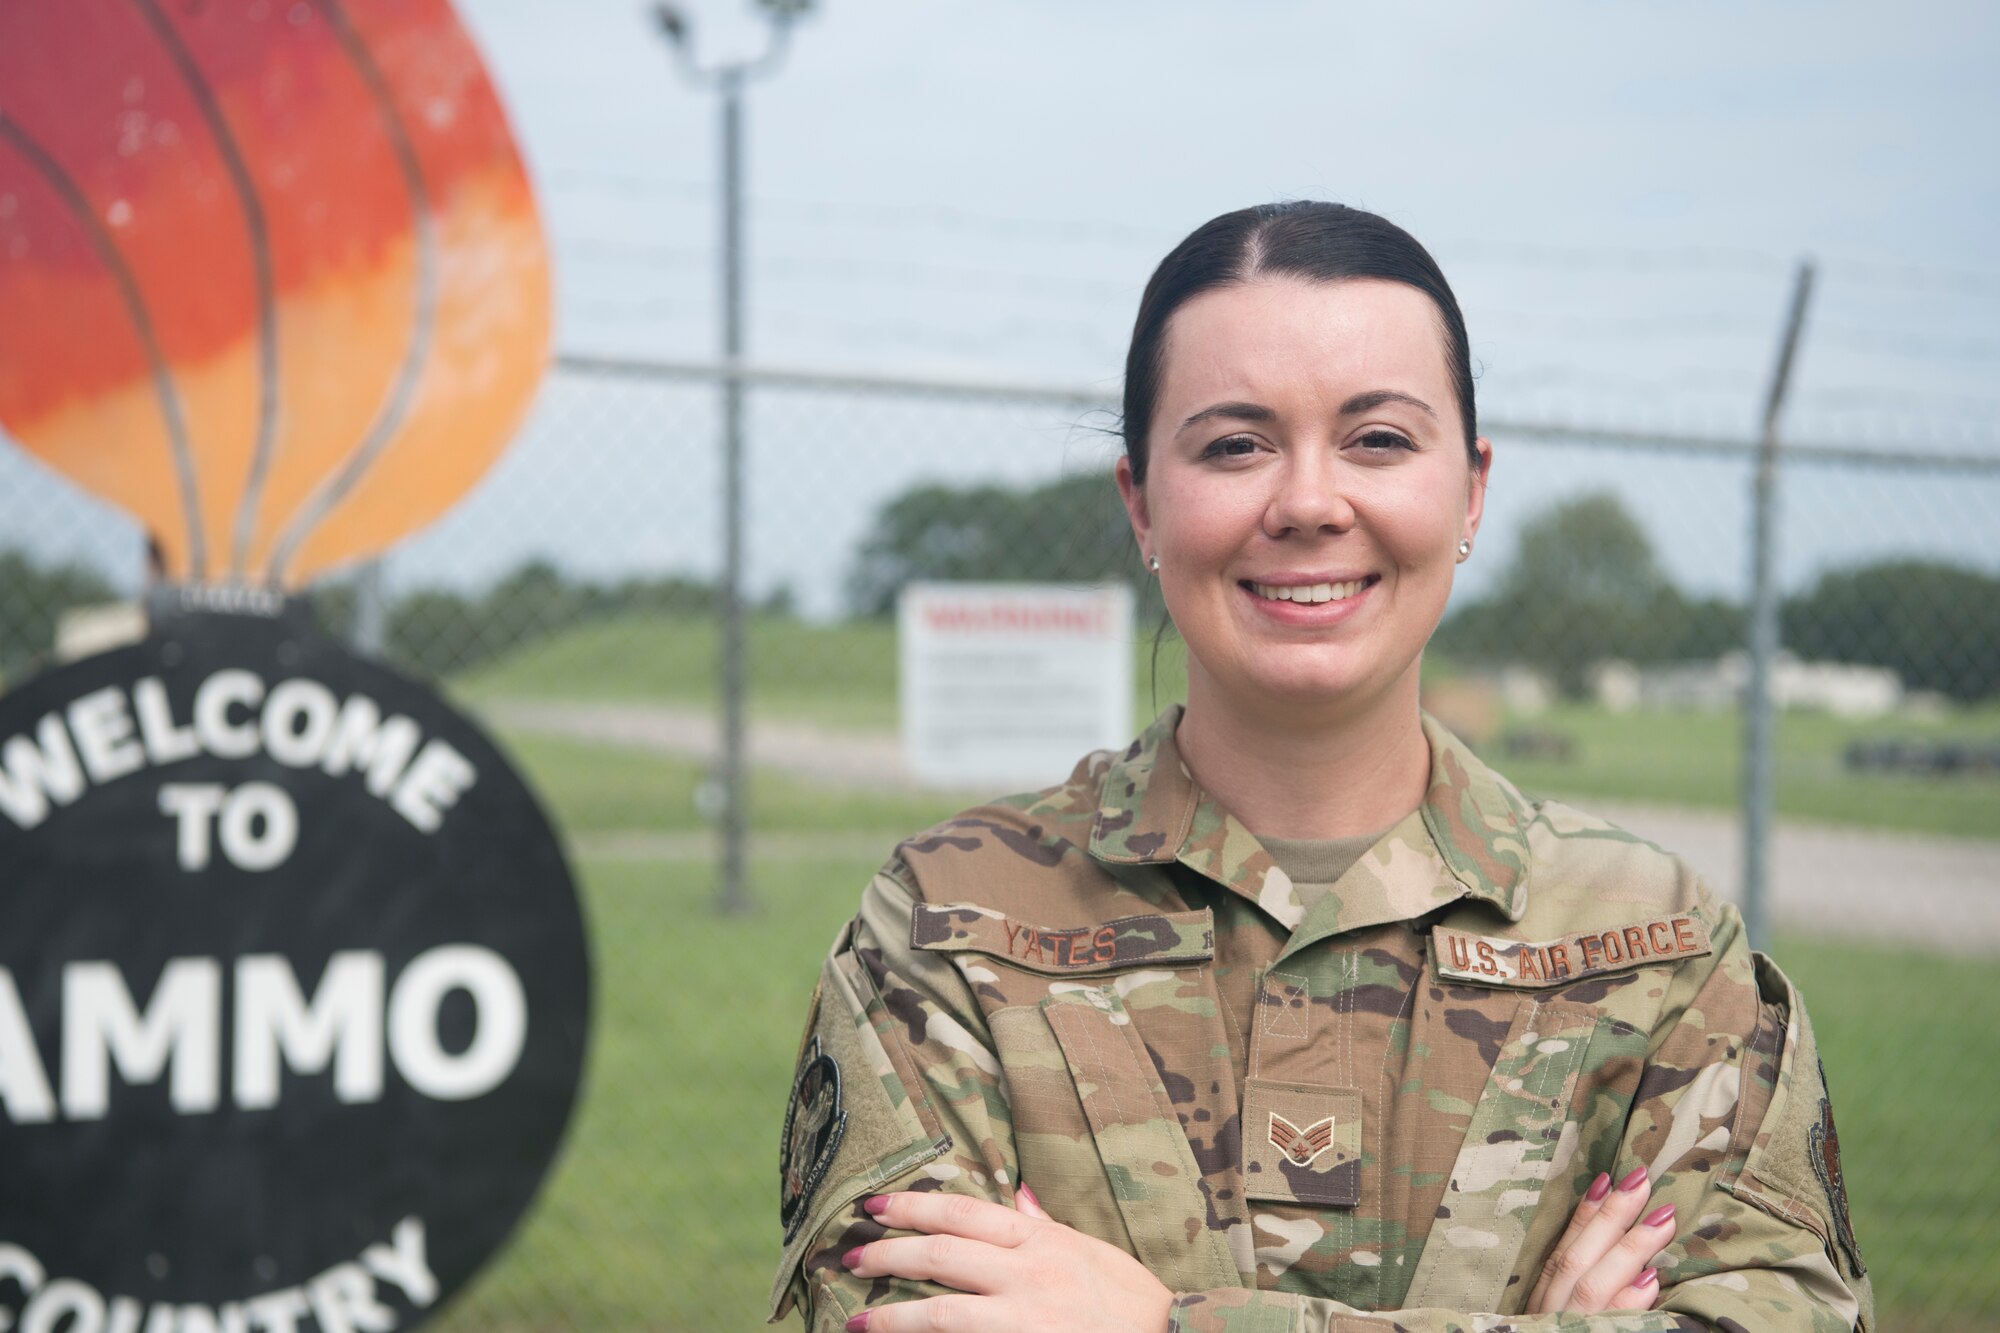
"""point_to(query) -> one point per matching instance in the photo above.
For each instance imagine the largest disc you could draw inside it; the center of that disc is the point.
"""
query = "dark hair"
(1304, 238)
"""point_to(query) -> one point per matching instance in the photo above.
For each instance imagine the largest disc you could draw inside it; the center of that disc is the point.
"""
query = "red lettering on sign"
(1613, 951)
(1014, 616)
(1012, 930)
(1460, 959)
(1487, 962)
(1558, 960)
(1107, 945)
(1684, 934)
(1654, 931)
(1635, 943)
(1034, 945)
(1588, 942)
(1529, 962)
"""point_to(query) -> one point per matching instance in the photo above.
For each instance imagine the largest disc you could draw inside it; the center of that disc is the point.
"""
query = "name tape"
(1491, 960)
(1164, 938)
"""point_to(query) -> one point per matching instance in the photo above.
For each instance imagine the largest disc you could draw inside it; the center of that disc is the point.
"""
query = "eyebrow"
(1360, 402)
(1234, 411)
(1374, 398)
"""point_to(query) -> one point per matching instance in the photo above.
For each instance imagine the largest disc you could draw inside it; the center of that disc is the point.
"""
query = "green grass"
(1694, 759)
(596, 788)
(659, 1214)
(841, 675)
(1913, 1060)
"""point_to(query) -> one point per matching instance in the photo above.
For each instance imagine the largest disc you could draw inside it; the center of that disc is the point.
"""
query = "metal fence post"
(1759, 722)
(731, 895)
(371, 612)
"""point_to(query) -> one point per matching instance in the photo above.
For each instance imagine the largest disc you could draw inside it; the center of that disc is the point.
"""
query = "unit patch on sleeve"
(1825, 1156)
(1491, 960)
(814, 1122)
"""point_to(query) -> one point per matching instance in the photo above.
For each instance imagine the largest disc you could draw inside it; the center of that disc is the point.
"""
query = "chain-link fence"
(1593, 650)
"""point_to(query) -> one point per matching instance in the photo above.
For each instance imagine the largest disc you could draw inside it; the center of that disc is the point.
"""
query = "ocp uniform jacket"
(1389, 1101)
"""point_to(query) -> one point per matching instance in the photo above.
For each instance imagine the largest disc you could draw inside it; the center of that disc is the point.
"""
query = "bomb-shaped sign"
(271, 276)
(294, 987)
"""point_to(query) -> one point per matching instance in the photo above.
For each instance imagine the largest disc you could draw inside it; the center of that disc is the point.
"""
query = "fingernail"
(1660, 1216)
(1599, 1187)
(1025, 1193)
(1634, 1180)
(859, 1322)
(1647, 1278)
(852, 1259)
(876, 1204)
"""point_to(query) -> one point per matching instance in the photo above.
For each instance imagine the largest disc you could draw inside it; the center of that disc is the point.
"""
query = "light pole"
(727, 78)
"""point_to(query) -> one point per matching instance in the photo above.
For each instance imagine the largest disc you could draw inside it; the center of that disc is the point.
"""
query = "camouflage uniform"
(1389, 1101)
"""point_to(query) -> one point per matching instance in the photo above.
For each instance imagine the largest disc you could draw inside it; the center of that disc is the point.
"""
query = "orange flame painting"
(271, 274)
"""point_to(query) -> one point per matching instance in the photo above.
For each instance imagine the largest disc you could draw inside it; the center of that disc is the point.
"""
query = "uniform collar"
(1150, 812)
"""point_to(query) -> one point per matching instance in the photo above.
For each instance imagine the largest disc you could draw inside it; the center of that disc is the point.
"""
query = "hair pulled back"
(1321, 242)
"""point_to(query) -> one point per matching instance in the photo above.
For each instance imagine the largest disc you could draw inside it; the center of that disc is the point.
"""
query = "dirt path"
(1938, 893)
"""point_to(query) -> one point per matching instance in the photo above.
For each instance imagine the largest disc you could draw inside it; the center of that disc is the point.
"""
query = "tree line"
(1583, 585)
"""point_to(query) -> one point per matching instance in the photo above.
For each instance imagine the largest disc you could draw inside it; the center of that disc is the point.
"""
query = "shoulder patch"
(814, 1123)
(1132, 941)
(1493, 960)
(1825, 1144)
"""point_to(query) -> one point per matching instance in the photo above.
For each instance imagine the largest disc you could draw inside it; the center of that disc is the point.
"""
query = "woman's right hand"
(1603, 1261)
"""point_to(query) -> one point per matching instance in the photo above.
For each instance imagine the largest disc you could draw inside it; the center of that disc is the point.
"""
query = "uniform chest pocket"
(1523, 1132)
(1147, 1164)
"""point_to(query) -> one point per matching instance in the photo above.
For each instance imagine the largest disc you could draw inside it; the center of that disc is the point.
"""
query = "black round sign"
(293, 989)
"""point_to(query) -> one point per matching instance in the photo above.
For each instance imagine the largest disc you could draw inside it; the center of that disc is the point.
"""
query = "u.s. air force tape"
(1491, 960)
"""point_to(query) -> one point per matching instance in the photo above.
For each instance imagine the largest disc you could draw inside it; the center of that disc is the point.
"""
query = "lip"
(1309, 614)
(1305, 579)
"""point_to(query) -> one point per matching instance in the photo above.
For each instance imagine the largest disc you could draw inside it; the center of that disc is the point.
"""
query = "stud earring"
(1153, 563)
(1464, 547)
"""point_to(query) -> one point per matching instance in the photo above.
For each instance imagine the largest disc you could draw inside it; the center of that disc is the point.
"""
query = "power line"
(908, 272)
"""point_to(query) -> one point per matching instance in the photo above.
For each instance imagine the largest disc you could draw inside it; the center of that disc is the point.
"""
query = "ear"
(1133, 493)
(1475, 488)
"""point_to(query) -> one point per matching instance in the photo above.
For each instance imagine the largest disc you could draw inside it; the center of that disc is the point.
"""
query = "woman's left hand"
(1009, 1268)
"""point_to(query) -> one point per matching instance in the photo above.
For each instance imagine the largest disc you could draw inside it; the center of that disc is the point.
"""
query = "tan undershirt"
(1314, 864)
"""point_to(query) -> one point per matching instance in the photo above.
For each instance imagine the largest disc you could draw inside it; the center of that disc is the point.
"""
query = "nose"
(1306, 497)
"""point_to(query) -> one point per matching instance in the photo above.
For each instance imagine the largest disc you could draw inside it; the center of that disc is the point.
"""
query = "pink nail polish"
(1647, 1278)
(1599, 1187)
(1660, 1216)
(852, 1258)
(876, 1205)
(859, 1322)
(1025, 1193)
(1634, 1180)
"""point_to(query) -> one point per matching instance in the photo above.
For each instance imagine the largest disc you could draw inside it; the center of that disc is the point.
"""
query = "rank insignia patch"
(1825, 1156)
(814, 1122)
(1301, 1145)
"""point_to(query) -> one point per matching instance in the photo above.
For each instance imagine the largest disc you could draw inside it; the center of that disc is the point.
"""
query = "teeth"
(1317, 592)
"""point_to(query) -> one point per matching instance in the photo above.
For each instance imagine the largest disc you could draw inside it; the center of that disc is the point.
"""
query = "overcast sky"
(1618, 192)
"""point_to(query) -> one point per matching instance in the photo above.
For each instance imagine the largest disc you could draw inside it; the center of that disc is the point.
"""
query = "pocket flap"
(1146, 1158)
(1521, 1132)
(1148, 940)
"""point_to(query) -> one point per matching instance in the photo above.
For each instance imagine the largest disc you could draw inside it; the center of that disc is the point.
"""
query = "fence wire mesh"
(1592, 651)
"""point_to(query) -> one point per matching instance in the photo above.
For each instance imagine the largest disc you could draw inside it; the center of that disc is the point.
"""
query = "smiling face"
(1306, 489)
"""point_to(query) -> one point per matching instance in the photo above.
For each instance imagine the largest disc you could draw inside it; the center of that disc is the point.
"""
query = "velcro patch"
(814, 1123)
(1301, 1143)
(1490, 960)
(1154, 939)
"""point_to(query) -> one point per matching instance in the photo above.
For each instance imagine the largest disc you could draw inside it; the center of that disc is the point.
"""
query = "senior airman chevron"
(1493, 960)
